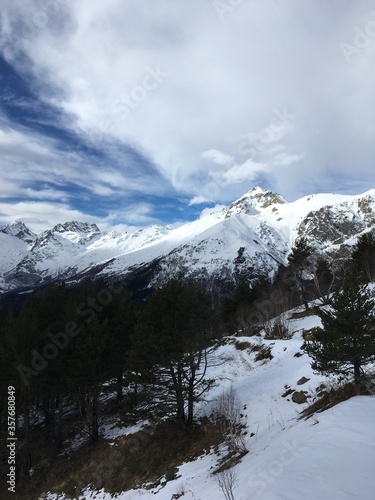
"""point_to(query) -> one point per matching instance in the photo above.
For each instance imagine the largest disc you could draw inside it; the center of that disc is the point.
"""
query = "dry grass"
(333, 396)
(139, 459)
(310, 334)
(305, 313)
(264, 353)
(278, 330)
(229, 461)
(244, 346)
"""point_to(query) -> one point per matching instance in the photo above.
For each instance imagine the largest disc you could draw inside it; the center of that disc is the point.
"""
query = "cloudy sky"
(136, 112)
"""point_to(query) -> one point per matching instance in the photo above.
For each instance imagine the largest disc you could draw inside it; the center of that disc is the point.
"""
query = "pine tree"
(364, 255)
(346, 342)
(121, 316)
(88, 369)
(299, 262)
(170, 346)
(237, 311)
(324, 280)
(18, 337)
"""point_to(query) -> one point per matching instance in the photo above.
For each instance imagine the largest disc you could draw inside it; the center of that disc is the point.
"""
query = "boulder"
(299, 397)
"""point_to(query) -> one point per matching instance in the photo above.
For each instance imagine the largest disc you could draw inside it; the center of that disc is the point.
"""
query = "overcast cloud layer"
(132, 112)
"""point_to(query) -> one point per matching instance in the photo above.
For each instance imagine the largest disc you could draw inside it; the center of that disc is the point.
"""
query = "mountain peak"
(76, 227)
(73, 231)
(20, 231)
(255, 200)
(264, 197)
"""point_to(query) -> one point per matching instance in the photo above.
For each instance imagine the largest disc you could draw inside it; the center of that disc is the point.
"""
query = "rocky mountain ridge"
(251, 237)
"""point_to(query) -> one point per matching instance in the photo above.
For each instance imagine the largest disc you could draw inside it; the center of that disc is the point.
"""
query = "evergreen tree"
(324, 280)
(18, 337)
(346, 342)
(170, 346)
(89, 367)
(237, 312)
(55, 309)
(364, 255)
(121, 316)
(299, 263)
(299, 253)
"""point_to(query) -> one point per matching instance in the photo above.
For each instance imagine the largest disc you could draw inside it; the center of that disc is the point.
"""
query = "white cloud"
(211, 210)
(28, 158)
(218, 157)
(219, 81)
(44, 215)
(41, 215)
(198, 200)
(282, 160)
(247, 171)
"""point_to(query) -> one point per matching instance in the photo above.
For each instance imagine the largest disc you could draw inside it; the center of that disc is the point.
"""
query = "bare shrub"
(278, 329)
(264, 353)
(228, 481)
(179, 493)
(228, 412)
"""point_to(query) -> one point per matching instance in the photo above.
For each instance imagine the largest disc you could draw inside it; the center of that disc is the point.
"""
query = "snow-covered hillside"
(330, 456)
(252, 236)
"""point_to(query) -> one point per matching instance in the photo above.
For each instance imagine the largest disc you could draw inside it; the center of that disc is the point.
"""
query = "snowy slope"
(251, 236)
(20, 231)
(12, 251)
(330, 456)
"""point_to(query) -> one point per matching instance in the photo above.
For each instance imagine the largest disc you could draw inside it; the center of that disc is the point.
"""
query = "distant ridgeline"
(250, 238)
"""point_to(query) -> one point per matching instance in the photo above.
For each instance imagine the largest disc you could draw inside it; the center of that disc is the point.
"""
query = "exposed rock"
(288, 392)
(20, 231)
(299, 397)
(302, 381)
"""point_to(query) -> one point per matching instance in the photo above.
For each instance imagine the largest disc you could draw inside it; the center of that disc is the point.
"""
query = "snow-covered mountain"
(252, 236)
(20, 231)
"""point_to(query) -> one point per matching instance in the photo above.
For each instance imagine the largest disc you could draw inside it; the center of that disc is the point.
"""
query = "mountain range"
(250, 237)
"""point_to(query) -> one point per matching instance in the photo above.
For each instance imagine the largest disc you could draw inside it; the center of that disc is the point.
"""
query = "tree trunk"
(119, 387)
(24, 464)
(303, 293)
(180, 396)
(59, 426)
(94, 420)
(357, 373)
(190, 402)
(178, 390)
(49, 416)
(191, 395)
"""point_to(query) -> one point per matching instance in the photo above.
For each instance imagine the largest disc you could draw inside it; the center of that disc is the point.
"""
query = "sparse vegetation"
(327, 397)
(312, 311)
(228, 413)
(264, 353)
(228, 481)
(278, 329)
